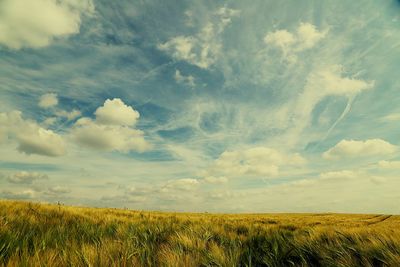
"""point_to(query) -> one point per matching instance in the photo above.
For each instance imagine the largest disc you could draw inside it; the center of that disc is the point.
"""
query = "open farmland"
(50, 235)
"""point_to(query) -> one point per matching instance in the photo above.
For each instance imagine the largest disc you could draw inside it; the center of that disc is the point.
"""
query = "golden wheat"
(53, 235)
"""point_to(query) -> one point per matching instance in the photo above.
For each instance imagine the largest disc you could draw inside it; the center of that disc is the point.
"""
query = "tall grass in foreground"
(50, 235)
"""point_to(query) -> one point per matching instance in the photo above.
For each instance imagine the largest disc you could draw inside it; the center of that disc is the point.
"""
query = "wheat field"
(33, 234)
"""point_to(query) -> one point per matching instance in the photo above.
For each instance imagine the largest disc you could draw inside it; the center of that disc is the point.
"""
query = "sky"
(202, 106)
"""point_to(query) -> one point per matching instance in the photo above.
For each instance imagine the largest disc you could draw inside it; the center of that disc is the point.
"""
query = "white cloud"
(48, 100)
(259, 161)
(203, 48)
(378, 180)
(27, 23)
(329, 81)
(49, 121)
(389, 164)
(10, 122)
(216, 180)
(180, 48)
(226, 14)
(280, 38)
(344, 174)
(350, 175)
(189, 18)
(58, 190)
(305, 37)
(3, 132)
(308, 36)
(108, 137)
(37, 140)
(24, 177)
(111, 130)
(321, 83)
(139, 191)
(115, 112)
(325, 82)
(227, 194)
(185, 184)
(25, 194)
(187, 80)
(391, 117)
(338, 191)
(69, 115)
(31, 138)
(353, 148)
(125, 199)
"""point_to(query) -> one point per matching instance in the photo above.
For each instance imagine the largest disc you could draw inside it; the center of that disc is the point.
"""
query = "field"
(52, 235)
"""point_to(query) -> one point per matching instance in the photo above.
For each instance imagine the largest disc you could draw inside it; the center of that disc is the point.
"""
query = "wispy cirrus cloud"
(203, 48)
(305, 37)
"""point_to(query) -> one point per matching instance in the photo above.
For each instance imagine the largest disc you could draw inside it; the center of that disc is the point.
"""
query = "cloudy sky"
(218, 106)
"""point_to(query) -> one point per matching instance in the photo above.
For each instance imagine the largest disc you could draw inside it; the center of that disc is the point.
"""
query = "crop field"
(34, 234)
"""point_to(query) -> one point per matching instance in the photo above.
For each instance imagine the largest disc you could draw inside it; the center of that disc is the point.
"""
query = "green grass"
(51, 235)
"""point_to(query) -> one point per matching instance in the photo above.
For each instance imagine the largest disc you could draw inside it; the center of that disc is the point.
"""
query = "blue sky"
(219, 106)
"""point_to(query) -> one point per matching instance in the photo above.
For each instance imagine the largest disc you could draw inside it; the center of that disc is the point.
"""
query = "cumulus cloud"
(280, 38)
(24, 194)
(115, 112)
(215, 180)
(344, 174)
(353, 148)
(184, 189)
(203, 48)
(3, 132)
(112, 130)
(58, 190)
(305, 37)
(49, 121)
(107, 137)
(392, 165)
(26, 23)
(48, 100)
(259, 161)
(69, 115)
(227, 194)
(124, 199)
(182, 79)
(138, 190)
(31, 138)
(308, 36)
(37, 140)
(181, 47)
(185, 184)
(24, 177)
(378, 180)
(348, 175)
